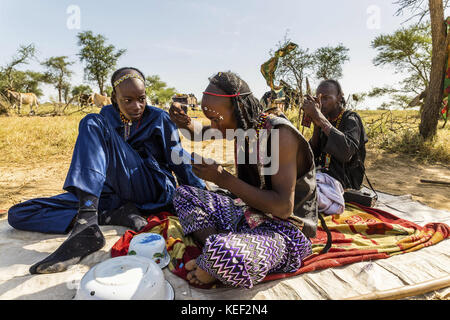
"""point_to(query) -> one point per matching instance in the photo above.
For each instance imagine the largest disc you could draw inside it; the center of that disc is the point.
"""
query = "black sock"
(87, 201)
(84, 239)
(127, 216)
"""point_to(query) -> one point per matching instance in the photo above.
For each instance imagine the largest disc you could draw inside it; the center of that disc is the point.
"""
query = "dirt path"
(398, 174)
(395, 174)
(19, 183)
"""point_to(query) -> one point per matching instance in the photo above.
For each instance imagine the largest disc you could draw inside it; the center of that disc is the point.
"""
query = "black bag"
(360, 197)
(363, 198)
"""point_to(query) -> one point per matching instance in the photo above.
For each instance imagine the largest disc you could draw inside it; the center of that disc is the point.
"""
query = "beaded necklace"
(127, 125)
(338, 122)
(261, 122)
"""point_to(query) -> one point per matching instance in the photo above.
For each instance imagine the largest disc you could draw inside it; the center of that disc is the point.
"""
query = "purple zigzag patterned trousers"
(238, 255)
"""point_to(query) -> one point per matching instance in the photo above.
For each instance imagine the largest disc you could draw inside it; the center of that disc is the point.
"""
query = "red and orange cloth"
(367, 234)
(180, 248)
(359, 234)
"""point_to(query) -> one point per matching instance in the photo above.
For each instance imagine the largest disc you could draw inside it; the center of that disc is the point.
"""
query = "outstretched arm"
(280, 200)
(175, 154)
(183, 121)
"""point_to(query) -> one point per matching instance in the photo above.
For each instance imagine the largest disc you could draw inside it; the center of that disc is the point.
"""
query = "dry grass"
(31, 139)
(397, 132)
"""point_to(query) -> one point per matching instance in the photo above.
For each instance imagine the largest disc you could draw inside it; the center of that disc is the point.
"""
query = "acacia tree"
(408, 51)
(294, 66)
(81, 89)
(58, 74)
(329, 61)
(29, 81)
(100, 59)
(157, 90)
(440, 40)
(9, 74)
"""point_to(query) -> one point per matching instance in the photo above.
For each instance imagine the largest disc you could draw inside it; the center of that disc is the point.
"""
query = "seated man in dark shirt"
(339, 138)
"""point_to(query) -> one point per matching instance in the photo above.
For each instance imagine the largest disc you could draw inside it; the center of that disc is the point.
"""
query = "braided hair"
(246, 106)
(338, 87)
(246, 110)
(117, 74)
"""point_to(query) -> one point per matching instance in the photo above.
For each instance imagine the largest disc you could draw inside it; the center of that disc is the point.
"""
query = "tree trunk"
(100, 85)
(433, 102)
(60, 93)
(300, 103)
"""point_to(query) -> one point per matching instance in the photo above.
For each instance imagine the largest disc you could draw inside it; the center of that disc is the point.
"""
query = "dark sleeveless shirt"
(305, 203)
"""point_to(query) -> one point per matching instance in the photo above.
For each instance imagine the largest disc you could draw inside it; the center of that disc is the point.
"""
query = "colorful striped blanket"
(359, 234)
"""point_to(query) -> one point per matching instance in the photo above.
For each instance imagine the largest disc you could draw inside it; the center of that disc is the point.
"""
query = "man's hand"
(178, 116)
(312, 106)
(209, 172)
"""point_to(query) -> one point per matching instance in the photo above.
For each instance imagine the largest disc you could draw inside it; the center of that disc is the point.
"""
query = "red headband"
(226, 95)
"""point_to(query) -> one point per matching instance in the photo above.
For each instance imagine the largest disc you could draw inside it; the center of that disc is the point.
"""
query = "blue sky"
(185, 42)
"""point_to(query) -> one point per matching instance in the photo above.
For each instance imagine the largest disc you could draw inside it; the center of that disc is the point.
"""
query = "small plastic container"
(150, 245)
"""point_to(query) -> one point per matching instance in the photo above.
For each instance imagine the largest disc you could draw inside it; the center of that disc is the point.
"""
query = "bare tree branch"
(419, 8)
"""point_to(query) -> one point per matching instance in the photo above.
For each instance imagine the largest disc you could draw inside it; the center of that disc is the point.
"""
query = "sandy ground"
(391, 173)
(398, 174)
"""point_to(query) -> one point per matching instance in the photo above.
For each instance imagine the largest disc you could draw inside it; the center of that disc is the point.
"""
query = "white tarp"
(19, 250)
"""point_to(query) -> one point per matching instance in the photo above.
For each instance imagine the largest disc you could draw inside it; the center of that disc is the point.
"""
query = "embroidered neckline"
(127, 125)
(338, 123)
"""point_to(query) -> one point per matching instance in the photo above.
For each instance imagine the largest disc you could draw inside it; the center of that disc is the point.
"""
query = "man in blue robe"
(121, 169)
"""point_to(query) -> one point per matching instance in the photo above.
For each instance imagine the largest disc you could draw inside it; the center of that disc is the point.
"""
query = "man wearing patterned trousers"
(239, 255)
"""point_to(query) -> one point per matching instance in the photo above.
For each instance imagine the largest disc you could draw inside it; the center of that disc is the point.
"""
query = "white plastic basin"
(125, 278)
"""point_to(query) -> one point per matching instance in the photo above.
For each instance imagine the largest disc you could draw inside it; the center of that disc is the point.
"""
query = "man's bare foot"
(198, 276)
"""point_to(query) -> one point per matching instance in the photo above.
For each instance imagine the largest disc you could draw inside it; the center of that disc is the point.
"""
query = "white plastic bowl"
(125, 278)
(150, 245)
